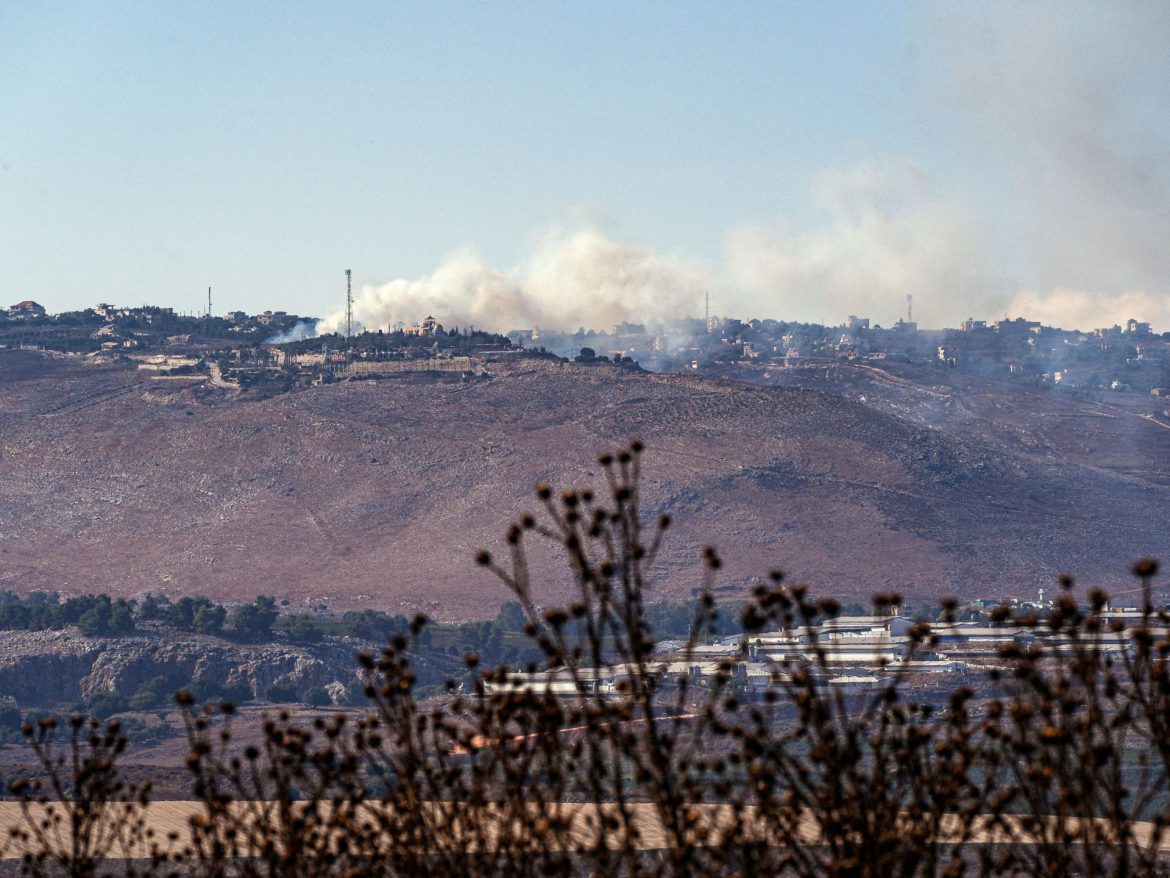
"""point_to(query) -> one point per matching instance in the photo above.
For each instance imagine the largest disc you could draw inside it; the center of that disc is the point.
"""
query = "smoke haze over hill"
(1055, 115)
(1062, 104)
(580, 279)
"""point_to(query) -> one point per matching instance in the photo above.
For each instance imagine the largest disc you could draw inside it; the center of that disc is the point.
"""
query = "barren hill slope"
(378, 493)
(1126, 433)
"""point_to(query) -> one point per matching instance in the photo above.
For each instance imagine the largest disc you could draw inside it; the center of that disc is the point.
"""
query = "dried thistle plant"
(608, 758)
(82, 815)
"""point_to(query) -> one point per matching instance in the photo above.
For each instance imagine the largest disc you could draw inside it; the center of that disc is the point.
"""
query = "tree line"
(499, 640)
(100, 615)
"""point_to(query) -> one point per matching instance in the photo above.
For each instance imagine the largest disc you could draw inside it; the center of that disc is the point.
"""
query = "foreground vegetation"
(1057, 764)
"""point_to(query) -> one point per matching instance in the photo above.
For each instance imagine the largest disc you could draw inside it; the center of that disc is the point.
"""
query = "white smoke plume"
(1063, 107)
(1078, 309)
(886, 234)
(302, 330)
(1056, 115)
(1059, 110)
(571, 280)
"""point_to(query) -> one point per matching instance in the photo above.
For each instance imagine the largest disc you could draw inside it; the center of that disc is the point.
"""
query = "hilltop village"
(261, 353)
(279, 350)
(1114, 358)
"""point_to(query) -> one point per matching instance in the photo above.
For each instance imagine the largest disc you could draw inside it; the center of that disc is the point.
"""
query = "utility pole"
(348, 306)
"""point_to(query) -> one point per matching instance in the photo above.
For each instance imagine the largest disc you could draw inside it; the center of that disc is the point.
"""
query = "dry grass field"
(377, 493)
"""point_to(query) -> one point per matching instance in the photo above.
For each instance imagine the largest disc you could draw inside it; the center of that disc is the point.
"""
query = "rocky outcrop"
(47, 668)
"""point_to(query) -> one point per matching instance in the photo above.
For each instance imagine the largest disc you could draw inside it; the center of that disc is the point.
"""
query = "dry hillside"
(376, 494)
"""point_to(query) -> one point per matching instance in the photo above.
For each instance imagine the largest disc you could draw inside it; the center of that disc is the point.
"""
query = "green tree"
(15, 616)
(281, 694)
(181, 614)
(74, 608)
(255, 620)
(104, 617)
(208, 689)
(106, 704)
(121, 617)
(10, 720)
(151, 608)
(209, 619)
(303, 629)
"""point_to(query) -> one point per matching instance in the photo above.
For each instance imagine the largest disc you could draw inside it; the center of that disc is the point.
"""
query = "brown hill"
(1127, 433)
(378, 493)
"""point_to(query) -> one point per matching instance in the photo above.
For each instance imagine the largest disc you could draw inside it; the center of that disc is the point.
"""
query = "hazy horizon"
(584, 164)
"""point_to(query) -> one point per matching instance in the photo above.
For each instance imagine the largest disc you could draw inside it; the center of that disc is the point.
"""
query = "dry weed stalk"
(1056, 764)
(82, 815)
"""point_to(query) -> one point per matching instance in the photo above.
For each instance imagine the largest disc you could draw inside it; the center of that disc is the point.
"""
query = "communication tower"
(707, 314)
(910, 308)
(348, 305)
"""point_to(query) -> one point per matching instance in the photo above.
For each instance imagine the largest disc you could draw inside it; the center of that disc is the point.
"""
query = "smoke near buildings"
(883, 232)
(1063, 215)
(1062, 108)
(582, 278)
(1057, 111)
(302, 330)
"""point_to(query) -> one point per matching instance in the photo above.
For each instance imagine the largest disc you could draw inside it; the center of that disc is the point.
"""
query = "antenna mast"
(348, 305)
(209, 301)
(909, 307)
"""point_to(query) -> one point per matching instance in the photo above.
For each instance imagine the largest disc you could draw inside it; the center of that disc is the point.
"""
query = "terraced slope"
(378, 493)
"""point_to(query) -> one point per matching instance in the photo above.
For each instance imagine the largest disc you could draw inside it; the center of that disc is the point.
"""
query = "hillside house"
(430, 326)
(26, 310)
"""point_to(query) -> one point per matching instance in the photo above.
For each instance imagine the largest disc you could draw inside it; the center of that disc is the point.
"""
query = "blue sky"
(148, 150)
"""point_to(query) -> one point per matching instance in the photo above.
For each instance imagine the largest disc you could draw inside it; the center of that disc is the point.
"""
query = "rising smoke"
(1057, 109)
(1063, 105)
(886, 233)
(302, 330)
(570, 280)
